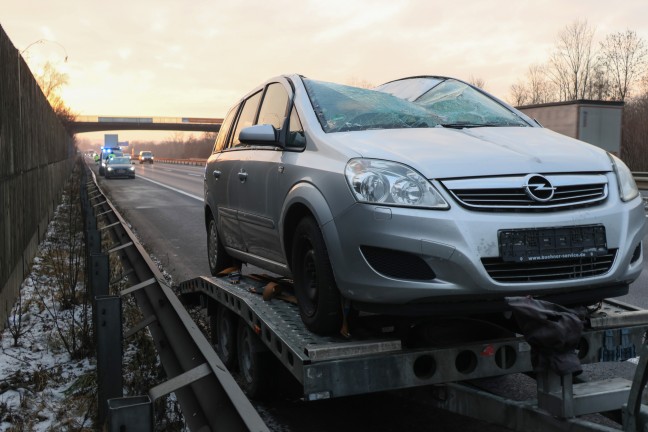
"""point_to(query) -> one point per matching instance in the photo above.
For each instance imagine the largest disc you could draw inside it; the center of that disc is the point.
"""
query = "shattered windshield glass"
(341, 108)
(459, 105)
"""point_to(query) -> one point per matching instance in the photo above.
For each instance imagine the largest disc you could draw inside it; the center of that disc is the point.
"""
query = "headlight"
(132, 168)
(110, 168)
(627, 187)
(376, 181)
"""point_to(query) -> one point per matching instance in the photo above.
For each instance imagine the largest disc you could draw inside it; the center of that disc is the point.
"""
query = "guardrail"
(641, 178)
(209, 397)
(196, 162)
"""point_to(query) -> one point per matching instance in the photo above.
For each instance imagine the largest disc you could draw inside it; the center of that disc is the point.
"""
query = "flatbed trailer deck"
(336, 366)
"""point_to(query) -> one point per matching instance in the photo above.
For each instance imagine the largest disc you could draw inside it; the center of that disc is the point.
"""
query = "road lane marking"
(173, 189)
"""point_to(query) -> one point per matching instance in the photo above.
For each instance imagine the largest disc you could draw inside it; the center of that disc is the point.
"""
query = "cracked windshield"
(341, 108)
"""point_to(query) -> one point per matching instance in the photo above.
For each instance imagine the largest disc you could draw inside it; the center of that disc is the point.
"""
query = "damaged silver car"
(382, 204)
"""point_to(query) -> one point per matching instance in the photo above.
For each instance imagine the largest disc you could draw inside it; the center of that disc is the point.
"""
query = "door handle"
(242, 175)
(216, 174)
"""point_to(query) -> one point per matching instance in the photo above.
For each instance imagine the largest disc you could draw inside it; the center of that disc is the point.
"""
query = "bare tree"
(477, 82)
(535, 89)
(573, 61)
(625, 57)
(51, 81)
(360, 82)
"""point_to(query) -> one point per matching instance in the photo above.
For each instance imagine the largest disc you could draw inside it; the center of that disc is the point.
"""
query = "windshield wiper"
(462, 125)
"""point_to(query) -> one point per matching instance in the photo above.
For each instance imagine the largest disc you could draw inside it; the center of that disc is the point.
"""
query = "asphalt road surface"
(163, 204)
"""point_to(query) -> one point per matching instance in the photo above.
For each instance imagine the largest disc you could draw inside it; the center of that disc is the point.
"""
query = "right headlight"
(627, 187)
(388, 183)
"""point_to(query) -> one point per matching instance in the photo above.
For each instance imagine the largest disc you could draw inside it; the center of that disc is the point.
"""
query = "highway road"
(164, 207)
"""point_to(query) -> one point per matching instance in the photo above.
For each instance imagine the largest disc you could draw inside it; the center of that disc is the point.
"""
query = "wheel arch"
(304, 199)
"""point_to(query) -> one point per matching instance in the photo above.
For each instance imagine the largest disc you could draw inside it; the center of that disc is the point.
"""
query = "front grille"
(397, 264)
(509, 193)
(550, 270)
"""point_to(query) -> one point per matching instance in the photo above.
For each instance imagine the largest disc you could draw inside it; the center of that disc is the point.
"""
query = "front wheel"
(217, 256)
(317, 295)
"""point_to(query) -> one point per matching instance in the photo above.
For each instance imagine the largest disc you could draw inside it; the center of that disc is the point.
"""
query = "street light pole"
(40, 41)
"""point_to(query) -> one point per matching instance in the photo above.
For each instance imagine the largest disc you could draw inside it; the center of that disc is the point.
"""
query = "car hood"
(473, 152)
(119, 166)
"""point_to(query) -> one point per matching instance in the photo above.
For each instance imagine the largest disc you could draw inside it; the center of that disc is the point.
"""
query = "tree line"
(179, 146)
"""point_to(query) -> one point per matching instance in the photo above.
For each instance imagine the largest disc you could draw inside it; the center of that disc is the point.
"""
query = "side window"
(224, 130)
(247, 116)
(274, 106)
(296, 137)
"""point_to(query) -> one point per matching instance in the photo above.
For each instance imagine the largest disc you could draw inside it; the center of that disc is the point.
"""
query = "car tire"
(224, 326)
(218, 258)
(317, 295)
(255, 363)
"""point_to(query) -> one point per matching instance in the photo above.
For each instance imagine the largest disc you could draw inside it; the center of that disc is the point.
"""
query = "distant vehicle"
(145, 156)
(119, 166)
(444, 202)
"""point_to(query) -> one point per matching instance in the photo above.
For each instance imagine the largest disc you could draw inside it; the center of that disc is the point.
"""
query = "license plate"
(541, 244)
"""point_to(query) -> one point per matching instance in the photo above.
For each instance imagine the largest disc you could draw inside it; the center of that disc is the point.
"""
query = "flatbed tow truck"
(253, 320)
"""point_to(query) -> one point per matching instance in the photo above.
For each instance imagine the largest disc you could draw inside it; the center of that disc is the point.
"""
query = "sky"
(196, 59)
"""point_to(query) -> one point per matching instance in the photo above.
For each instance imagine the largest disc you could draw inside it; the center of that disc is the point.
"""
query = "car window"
(460, 105)
(223, 132)
(296, 137)
(341, 108)
(119, 160)
(274, 106)
(246, 118)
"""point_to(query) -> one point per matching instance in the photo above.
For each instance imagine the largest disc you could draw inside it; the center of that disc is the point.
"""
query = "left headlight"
(132, 168)
(109, 168)
(627, 187)
(376, 181)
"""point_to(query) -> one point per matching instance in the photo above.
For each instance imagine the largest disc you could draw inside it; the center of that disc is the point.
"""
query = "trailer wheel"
(218, 258)
(255, 361)
(223, 325)
(317, 294)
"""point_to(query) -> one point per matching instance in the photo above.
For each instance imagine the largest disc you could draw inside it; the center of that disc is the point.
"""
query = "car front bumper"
(377, 253)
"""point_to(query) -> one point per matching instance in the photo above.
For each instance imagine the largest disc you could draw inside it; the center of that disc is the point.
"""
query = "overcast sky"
(196, 58)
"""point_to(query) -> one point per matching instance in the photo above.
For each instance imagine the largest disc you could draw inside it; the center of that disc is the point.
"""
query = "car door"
(259, 204)
(218, 197)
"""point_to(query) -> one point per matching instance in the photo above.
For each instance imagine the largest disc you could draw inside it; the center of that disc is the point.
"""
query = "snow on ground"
(37, 371)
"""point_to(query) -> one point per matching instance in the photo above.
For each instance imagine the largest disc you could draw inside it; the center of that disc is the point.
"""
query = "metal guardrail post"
(130, 414)
(99, 274)
(109, 352)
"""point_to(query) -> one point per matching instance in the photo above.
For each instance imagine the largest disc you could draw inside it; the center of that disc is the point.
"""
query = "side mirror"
(264, 134)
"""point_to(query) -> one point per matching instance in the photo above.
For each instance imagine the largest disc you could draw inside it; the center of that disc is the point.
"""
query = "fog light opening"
(505, 357)
(424, 367)
(636, 254)
(466, 362)
(583, 348)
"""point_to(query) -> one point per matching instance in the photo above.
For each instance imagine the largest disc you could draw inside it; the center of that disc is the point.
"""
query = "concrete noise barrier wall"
(36, 159)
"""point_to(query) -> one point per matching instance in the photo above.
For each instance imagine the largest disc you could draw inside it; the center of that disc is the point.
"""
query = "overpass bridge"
(86, 123)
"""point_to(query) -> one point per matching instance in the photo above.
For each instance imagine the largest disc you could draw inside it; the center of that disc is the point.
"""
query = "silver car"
(375, 203)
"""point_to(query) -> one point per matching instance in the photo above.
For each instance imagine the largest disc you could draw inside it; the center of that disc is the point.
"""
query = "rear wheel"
(317, 294)
(218, 258)
(255, 363)
(223, 324)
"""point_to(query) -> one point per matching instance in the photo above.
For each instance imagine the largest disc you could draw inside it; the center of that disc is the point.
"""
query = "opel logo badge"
(538, 188)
